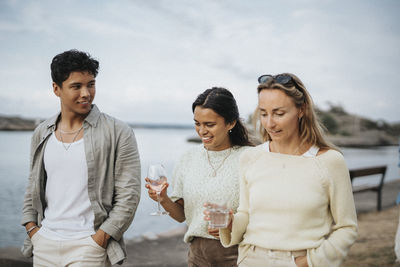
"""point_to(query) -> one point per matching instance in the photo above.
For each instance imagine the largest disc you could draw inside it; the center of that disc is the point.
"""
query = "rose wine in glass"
(157, 176)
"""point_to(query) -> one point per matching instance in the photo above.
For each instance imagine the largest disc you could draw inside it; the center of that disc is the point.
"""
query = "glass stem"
(158, 202)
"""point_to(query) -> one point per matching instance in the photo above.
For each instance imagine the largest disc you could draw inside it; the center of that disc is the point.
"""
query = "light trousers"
(72, 253)
(397, 242)
(261, 257)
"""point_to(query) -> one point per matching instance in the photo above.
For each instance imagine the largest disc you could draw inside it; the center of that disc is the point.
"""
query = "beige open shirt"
(113, 178)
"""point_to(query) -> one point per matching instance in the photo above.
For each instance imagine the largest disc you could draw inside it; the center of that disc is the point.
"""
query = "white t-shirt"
(68, 214)
(311, 152)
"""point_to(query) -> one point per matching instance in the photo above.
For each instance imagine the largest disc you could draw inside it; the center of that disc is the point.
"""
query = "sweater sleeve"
(177, 180)
(334, 248)
(241, 218)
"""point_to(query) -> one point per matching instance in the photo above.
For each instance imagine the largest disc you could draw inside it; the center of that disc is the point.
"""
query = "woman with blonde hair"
(296, 204)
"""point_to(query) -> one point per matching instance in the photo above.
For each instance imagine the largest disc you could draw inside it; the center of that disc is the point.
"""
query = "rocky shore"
(16, 123)
(345, 130)
(374, 245)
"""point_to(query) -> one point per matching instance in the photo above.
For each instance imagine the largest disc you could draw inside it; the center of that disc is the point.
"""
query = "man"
(84, 183)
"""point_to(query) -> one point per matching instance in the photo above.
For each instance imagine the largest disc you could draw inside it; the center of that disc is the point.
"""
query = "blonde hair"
(311, 131)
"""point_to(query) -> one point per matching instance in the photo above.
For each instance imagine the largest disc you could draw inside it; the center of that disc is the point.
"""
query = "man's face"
(76, 93)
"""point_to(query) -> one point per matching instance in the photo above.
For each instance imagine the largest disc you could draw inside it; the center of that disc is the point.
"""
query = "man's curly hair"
(70, 61)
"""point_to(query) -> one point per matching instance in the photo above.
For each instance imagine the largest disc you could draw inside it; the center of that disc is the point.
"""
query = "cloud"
(157, 56)
(99, 27)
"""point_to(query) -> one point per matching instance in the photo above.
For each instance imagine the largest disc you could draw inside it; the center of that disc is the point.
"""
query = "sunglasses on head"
(284, 79)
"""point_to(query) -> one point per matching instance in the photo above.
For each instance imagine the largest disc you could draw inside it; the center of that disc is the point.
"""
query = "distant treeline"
(342, 127)
(338, 121)
(16, 123)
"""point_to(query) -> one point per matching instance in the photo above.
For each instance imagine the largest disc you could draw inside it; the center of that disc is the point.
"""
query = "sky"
(156, 56)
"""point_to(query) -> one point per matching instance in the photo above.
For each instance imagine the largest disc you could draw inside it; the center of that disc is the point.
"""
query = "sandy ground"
(374, 245)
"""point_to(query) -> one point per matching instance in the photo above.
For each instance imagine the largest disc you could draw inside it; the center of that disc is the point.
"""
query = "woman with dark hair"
(208, 173)
(296, 202)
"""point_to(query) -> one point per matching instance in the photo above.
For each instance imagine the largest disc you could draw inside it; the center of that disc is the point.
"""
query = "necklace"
(66, 147)
(64, 132)
(294, 153)
(214, 173)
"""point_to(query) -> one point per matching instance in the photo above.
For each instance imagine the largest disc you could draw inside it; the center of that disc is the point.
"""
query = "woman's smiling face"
(212, 129)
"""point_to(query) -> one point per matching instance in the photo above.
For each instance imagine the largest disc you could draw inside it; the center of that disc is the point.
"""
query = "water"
(219, 216)
(362, 158)
(155, 146)
(219, 219)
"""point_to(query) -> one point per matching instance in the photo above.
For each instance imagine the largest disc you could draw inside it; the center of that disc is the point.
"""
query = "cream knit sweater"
(193, 181)
(295, 203)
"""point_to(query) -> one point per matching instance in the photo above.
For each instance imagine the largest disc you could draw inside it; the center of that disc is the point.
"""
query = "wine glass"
(157, 178)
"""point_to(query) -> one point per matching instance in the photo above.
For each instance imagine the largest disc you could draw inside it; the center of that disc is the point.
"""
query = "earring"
(230, 131)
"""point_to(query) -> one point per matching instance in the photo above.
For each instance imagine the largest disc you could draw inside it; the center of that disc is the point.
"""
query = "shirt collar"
(92, 118)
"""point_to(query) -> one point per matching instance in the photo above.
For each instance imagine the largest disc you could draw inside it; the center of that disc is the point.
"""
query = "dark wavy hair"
(69, 61)
(222, 102)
